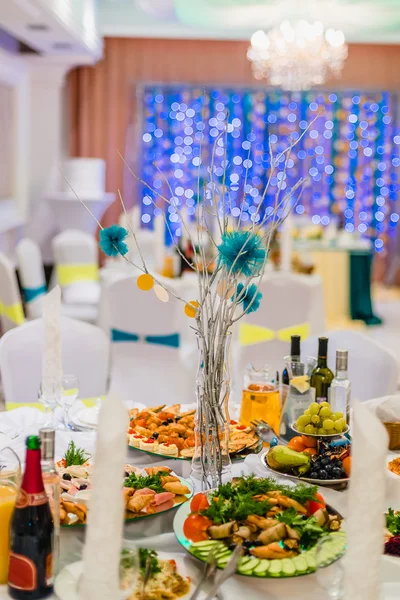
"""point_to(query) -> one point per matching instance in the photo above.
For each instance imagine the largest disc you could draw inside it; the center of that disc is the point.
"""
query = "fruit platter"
(318, 420)
(146, 492)
(277, 526)
(315, 456)
(169, 431)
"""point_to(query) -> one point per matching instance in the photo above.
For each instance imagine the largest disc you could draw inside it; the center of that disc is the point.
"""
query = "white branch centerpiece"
(229, 263)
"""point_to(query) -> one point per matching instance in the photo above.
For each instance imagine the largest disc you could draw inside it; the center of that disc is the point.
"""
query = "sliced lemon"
(301, 383)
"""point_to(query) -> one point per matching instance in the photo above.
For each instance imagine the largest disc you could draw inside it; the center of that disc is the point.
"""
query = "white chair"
(147, 361)
(373, 370)
(31, 273)
(11, 311)
(85, 353)
(291, 304)
(75, 257)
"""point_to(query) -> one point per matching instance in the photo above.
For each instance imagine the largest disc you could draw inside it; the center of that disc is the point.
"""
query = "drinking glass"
(49, 396)
(300, 394)
(69, 395)
(129, 573)
(10, 478)
(330, 577)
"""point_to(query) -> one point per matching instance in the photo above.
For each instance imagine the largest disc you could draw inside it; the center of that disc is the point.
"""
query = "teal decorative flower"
(112, 240)
(249, 297)
(242, 252)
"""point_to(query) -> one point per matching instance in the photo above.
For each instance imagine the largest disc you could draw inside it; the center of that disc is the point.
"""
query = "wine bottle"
(30, 575)
(322, 376)
(51, 480)
(294, 356)
(340, 390)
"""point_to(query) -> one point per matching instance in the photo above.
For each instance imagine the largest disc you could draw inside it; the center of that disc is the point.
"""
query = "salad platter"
(168, 577)
(277, 526)
(146, 492)
(169, 431)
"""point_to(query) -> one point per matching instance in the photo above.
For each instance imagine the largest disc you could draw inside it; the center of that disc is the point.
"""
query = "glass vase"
(211, 464)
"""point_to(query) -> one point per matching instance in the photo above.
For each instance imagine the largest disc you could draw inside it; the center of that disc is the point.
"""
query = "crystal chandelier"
(297, 57)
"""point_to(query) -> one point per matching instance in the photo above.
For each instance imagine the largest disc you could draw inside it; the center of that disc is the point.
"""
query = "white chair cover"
(141, 370)
(31, 273)
(75, 257)
(373, 370)
(85, 353)
(11, 311)
(291, 304)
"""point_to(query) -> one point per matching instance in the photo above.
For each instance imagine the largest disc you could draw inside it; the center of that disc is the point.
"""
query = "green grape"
(310, 429)
(340, 424)
(322, 431)
(315, 420)
(313, 408)
(307, 411)
(336, 416)
(300, 428)
(303, 420)
(325, 405)
(328, 424)
(325, 412)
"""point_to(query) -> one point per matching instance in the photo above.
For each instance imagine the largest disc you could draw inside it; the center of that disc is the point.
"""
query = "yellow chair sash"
(13, 312)
(88, 402)
(254, 334)
(67, 274)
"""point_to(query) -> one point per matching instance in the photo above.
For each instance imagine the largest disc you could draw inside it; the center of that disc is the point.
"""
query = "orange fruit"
(309, 442)
(347, 465)
(296, 444)
(310, 451)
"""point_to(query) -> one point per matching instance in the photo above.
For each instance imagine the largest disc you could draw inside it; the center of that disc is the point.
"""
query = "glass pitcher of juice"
(10, 479)
(260, 398)
(299, 395)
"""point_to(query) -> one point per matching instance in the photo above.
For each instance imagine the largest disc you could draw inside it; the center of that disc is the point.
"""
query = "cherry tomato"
(195, 528)
(199, 502)
(313, 505)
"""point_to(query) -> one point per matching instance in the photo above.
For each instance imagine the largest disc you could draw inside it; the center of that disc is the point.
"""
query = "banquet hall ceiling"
(361, 20)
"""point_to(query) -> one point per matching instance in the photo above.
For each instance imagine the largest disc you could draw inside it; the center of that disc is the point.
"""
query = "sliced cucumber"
(262, 568)
(288, 568)
(311, 562)
(275, 568)
(300, 564)
(248, 567)
(206, 544)
(223, 561)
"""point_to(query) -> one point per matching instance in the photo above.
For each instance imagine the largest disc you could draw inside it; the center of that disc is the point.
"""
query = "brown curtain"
(102, 99)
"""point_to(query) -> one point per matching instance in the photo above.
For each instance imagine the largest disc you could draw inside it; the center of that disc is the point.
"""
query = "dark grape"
(329, 468)
(314, 475)
(337, 473)
(323, 474)
(325, 461)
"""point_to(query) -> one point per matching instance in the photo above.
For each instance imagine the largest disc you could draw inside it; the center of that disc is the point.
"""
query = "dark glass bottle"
(30, 574)
(322, 376)
(295, 356)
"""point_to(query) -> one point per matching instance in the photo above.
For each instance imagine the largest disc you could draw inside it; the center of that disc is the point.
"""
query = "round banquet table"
(157, 532)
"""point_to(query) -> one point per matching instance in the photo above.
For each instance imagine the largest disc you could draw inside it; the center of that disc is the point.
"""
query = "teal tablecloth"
(360, 288)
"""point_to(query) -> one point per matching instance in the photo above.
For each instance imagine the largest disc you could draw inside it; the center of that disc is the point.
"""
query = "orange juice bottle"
(8, 495)
(260, 399)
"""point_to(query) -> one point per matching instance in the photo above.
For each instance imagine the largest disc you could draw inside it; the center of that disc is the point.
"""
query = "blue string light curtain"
(350, 153)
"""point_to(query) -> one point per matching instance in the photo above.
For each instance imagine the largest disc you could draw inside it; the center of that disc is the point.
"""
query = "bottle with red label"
(31, 558)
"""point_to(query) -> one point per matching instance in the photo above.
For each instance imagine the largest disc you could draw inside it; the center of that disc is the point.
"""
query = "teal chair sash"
(33, 293)
(172, 340)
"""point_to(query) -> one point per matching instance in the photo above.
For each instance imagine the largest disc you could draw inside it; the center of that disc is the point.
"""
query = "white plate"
(88, 416)
(66, 582)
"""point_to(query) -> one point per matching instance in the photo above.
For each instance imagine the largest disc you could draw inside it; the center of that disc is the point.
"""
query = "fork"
(146, 577)
(208, 572)
(229, 570)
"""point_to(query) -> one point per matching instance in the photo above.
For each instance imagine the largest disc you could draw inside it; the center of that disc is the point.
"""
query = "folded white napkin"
(367, 504)
(21, 420)
(386, 408)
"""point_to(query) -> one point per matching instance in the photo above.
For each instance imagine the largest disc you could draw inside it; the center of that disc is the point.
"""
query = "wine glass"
(10, 466)
(69, 395)
(330, 577)
(49, 394)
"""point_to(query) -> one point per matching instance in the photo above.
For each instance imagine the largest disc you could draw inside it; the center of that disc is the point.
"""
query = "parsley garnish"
(153, 482)
(393, 521)
(75, 456)
(308, 529)
(128, 560)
